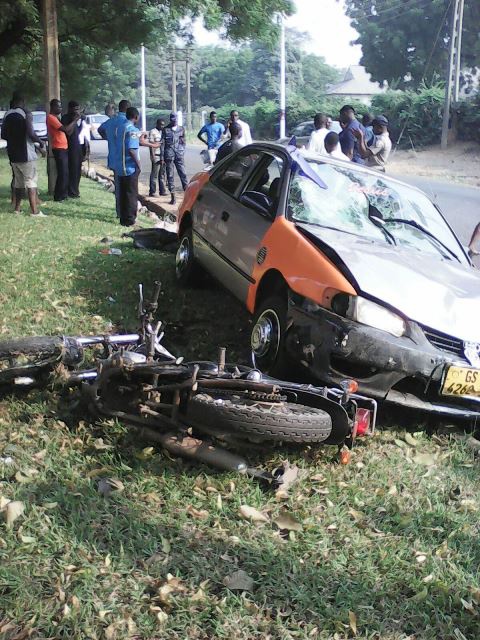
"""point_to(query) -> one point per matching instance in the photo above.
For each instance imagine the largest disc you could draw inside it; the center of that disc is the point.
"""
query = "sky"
(326, 24)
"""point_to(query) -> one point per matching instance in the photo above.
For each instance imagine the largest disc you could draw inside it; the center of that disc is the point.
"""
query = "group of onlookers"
(222, 140)
(367, 142)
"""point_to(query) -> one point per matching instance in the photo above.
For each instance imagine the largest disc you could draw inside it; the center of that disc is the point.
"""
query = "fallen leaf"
(411, 440)
(13, 510)
(287, 522)
(107, 486)
(421, 558)
(201, 514)
(162, 617)
(393, 490)
(290, 475)
(239, 581)
(426, 459)
(358, 516)
(475, 594)
(145, 453)
(352, 618)
(111, 632)
(198, 596)
(50, 505)
(469, 607)
(3, 502)
(252, 514)
(28, 539)
(108, 560)
(400, 443)
(100, 445)
(458, 634)
(75, 603)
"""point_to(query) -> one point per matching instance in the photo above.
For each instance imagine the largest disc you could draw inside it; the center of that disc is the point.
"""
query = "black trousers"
(176, 159)
(157, 173)
(128, 199)
(61, 185)
(74, 171)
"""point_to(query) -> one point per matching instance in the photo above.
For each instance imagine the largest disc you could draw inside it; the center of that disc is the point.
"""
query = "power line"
(442, 24)
(391, 18)
(395, 7)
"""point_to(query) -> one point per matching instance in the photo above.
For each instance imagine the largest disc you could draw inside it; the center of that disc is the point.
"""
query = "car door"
(242, 227)
(215, 201)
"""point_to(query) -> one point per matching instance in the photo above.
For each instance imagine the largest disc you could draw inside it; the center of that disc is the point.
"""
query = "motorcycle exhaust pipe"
(195, 449)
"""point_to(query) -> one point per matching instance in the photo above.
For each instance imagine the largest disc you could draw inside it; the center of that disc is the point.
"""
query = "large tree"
(407, 41)
(91, 29)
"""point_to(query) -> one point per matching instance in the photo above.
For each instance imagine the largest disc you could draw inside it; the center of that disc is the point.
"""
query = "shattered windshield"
(353, 199)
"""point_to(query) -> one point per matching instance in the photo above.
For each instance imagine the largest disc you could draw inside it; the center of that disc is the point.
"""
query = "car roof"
(358, 168)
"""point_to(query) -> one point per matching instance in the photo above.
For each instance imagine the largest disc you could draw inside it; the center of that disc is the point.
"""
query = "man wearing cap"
(174, 136)
(376, 155)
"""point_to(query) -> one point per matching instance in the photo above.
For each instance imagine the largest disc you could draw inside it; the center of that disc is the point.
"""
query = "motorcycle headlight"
(374, 315)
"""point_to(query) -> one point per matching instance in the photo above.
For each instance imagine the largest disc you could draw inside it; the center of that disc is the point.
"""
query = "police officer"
(174, 154)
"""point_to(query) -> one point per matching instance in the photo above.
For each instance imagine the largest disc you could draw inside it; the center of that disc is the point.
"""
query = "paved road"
(459, 204)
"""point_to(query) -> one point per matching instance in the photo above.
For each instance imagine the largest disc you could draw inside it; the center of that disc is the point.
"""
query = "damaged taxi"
(347, 272)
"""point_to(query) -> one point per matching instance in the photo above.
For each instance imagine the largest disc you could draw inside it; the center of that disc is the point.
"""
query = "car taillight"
(361, 424)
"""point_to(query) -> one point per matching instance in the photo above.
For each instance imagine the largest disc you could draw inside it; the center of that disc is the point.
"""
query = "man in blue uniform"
(127, 140)
(107, 131)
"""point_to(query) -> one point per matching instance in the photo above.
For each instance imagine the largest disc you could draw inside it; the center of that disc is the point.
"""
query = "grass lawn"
(387, 547)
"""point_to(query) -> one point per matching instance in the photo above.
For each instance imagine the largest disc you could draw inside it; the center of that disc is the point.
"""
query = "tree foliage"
(407, 42)
(91, 30)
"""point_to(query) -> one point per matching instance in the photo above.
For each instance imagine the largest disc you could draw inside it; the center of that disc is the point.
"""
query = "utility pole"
(282, 77)
(51, 73)
(174, 80)
(454, 65)
(144, 100)
(188, 60)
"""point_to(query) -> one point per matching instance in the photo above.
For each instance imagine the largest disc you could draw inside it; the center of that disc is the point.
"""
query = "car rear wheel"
(267, 338)
(186, 267)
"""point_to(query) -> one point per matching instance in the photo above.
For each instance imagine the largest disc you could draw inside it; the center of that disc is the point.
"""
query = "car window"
(231, 175)
(267, 179)
(39, 118)
(352, 198)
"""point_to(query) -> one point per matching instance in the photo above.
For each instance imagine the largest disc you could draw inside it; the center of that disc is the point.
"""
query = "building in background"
(356, 85)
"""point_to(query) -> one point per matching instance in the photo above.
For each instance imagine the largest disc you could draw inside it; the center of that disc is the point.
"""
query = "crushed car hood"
(440, 294)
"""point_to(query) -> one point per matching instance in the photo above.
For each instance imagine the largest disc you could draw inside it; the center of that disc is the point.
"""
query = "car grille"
(445, 342)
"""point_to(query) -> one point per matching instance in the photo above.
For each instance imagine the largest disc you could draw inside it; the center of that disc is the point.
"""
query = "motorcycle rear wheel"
(269, 421)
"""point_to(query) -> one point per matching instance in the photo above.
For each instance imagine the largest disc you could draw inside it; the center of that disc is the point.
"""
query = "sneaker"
(39, 214)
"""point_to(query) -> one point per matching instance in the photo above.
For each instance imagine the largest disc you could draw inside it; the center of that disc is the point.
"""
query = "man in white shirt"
(317, 137)
(157, 172)
(332, 147)
(246, 137)
(378, 151)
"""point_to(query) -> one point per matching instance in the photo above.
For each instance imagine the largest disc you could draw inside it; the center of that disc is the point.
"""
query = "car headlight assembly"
(374, 315)
(367, 312)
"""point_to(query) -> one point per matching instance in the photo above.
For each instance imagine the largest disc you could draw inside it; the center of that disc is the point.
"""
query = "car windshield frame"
(355, 192)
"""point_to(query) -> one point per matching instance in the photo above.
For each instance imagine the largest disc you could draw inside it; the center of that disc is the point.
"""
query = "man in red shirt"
(57, 133)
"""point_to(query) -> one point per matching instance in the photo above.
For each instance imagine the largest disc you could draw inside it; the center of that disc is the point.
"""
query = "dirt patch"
(459, 163)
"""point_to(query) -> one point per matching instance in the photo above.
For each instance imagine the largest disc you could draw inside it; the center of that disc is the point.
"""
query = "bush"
(415, 117)
(468, 119)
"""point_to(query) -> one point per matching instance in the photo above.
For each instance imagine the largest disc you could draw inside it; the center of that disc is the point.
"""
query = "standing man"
(156, 157)
(57, 134)
(214, 131)
(332, 147)
(232, 145)
(246, 137)
(174, 155)
(376, 155)
(127, 164)
(17, 130)
(107, 130)
(348, 140)
(75, 151)
(317, 137)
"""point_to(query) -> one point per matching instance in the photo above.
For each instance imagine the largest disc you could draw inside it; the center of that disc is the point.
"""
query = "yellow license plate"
(461, 381)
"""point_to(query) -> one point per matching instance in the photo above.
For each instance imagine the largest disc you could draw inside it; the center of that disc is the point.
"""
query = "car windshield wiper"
(378, 220)
(417, 225)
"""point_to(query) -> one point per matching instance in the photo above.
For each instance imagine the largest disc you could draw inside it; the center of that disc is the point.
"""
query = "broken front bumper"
(406, 371)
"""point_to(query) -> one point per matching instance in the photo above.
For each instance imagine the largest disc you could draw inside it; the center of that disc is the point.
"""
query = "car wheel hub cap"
(266, 335)
(183, 256)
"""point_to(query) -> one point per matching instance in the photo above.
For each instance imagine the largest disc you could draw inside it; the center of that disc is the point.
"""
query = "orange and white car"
(347, 272)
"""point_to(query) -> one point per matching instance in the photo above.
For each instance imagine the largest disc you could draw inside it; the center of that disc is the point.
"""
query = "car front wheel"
(267, 338)
(186, 268)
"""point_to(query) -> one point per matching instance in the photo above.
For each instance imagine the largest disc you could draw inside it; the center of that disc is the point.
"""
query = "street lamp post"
(144, 98)
(282, 77)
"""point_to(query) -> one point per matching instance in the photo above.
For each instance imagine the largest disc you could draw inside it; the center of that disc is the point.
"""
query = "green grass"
(388, 538)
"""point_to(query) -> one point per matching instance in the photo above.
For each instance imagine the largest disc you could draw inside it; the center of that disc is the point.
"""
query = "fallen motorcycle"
(135, 379)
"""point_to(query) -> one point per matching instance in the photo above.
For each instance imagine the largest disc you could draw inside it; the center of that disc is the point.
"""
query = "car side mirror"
(257, 201)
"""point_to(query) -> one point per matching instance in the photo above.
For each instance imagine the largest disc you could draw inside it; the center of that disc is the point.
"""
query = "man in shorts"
(17, 130)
